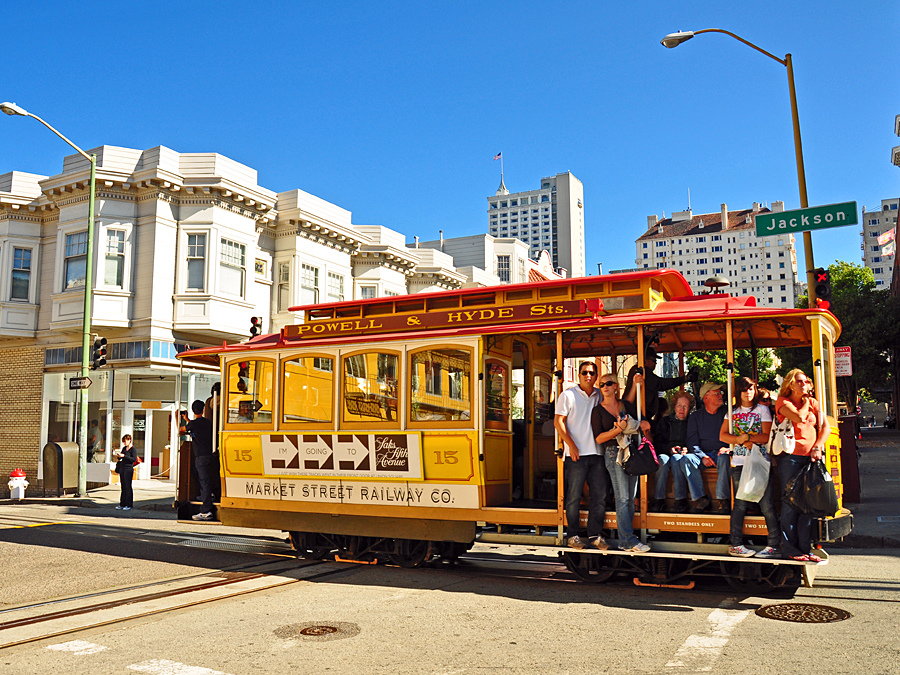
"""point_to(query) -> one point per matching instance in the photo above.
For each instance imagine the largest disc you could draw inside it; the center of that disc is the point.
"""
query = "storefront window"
(439, 385)
(308, 390)
(63, 411)
(250, 392)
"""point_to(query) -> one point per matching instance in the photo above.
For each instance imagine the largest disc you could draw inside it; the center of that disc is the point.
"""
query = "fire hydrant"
(17, 484)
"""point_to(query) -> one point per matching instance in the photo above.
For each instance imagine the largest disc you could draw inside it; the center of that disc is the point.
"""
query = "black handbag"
(643, 460)
(812, 491)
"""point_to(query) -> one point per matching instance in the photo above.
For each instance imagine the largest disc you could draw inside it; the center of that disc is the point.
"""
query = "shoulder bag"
(643, 460)
(781, 437)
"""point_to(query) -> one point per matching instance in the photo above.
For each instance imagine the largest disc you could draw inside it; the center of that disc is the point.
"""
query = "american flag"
(498, 155)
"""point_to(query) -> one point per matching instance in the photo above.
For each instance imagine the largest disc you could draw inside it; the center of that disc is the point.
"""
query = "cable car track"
(183, 593)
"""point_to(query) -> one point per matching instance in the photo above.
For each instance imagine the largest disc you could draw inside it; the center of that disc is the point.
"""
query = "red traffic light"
(255, 326)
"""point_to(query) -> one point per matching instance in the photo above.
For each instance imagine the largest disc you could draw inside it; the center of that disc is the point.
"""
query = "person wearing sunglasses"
(583, 462)
(610, 421)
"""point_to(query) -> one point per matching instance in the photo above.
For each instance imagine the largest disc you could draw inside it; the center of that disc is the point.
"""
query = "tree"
(870, 321)
(712, 365)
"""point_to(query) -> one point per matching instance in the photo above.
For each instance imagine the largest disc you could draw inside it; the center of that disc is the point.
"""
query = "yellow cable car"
(412, 426)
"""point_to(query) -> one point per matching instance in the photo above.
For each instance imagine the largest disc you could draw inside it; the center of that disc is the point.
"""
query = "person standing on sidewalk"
(206, 462)
(125, 468)
(583, 463)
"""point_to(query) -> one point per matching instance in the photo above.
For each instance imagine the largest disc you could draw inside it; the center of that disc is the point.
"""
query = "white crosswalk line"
(78, 647)
(698, 653)
(164, 667)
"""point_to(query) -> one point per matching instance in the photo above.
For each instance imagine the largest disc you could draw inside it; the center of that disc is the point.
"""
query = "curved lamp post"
(672, 40)
(13, 109)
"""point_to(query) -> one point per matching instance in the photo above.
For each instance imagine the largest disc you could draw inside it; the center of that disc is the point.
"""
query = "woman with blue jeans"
(609, 420)
(811, 430)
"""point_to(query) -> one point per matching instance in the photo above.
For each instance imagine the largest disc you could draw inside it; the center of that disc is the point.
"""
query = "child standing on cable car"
(751, 422)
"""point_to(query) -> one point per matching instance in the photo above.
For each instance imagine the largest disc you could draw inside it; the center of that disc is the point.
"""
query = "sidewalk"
(149, 495)
(876, 519)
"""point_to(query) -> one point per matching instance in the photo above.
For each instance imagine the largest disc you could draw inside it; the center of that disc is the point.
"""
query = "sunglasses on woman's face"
(607, 384)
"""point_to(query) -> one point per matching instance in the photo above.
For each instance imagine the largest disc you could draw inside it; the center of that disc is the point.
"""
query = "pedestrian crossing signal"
(822, 278)
(255, 326)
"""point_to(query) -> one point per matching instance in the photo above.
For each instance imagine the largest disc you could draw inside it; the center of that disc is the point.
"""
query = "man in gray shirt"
(704, 445)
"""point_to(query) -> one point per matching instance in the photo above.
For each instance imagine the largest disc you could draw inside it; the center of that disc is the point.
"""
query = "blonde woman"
(811, 429)
(609, 420)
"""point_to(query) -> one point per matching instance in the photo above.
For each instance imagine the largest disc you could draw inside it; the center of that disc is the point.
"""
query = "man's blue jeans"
(691, 466)
(625, 489)
(588, 469)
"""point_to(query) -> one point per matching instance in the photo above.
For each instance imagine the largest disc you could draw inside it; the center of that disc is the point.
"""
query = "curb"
(865, 541)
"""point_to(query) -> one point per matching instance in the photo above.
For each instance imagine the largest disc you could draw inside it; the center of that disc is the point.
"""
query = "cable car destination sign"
(802, 220)
(448, 318)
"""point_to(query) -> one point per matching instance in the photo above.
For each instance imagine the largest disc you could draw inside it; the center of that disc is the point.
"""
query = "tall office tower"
(724, 244)
(548, 219)
(875, 224)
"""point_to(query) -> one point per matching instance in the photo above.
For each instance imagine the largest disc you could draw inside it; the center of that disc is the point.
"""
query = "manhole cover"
(803, 613)
(318, 631)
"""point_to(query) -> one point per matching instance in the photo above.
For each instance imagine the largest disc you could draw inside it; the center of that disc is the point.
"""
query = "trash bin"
(849, 459)
(60, 466)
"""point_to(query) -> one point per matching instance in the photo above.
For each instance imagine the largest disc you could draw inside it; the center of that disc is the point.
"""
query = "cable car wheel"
(754, 577)
(592, 568)
(310, 546)
(411, 553)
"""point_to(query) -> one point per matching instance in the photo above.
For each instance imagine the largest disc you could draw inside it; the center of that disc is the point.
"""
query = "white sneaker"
(202, 516)
(741, 551)
(126, 508)
(639, 547)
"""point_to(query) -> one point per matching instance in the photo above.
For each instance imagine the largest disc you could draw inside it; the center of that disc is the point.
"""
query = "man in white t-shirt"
(583, 462)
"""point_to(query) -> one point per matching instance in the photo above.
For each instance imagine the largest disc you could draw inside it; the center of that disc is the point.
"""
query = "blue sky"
(394, 109)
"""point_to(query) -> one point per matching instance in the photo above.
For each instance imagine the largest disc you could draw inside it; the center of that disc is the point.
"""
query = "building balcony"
(212, 316)
(18, 319)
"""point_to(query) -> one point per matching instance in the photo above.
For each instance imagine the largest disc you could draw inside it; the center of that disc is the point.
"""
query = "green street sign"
(801, 220)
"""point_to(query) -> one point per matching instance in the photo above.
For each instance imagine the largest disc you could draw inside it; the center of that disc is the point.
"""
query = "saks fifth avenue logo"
(389, 456)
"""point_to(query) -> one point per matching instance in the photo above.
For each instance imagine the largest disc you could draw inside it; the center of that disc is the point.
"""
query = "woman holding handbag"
(751, 422)
(811, 429)
(125, 468)
(609, 420)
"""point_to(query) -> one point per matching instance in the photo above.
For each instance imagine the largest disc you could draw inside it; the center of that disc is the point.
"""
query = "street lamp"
(13, 109)
(672, 40)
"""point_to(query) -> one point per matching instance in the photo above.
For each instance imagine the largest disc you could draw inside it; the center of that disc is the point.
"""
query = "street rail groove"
(29, 629)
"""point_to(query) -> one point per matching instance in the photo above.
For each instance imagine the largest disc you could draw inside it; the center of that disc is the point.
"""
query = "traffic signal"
(823, 287)
(243, 376)
(255, 326)
(98, 352)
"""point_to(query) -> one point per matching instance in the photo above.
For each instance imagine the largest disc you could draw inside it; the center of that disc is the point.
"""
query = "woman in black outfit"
(125, 468)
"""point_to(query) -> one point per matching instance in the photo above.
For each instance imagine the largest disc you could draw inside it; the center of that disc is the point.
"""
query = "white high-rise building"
(724, 244)
(876, 223)
(548, 219)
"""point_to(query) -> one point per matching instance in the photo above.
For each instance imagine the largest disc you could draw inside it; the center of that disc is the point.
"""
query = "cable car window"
(543, 409)
(308, 390)
(496, 393)
(440, 382)
(250, 392)
(370, 387)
